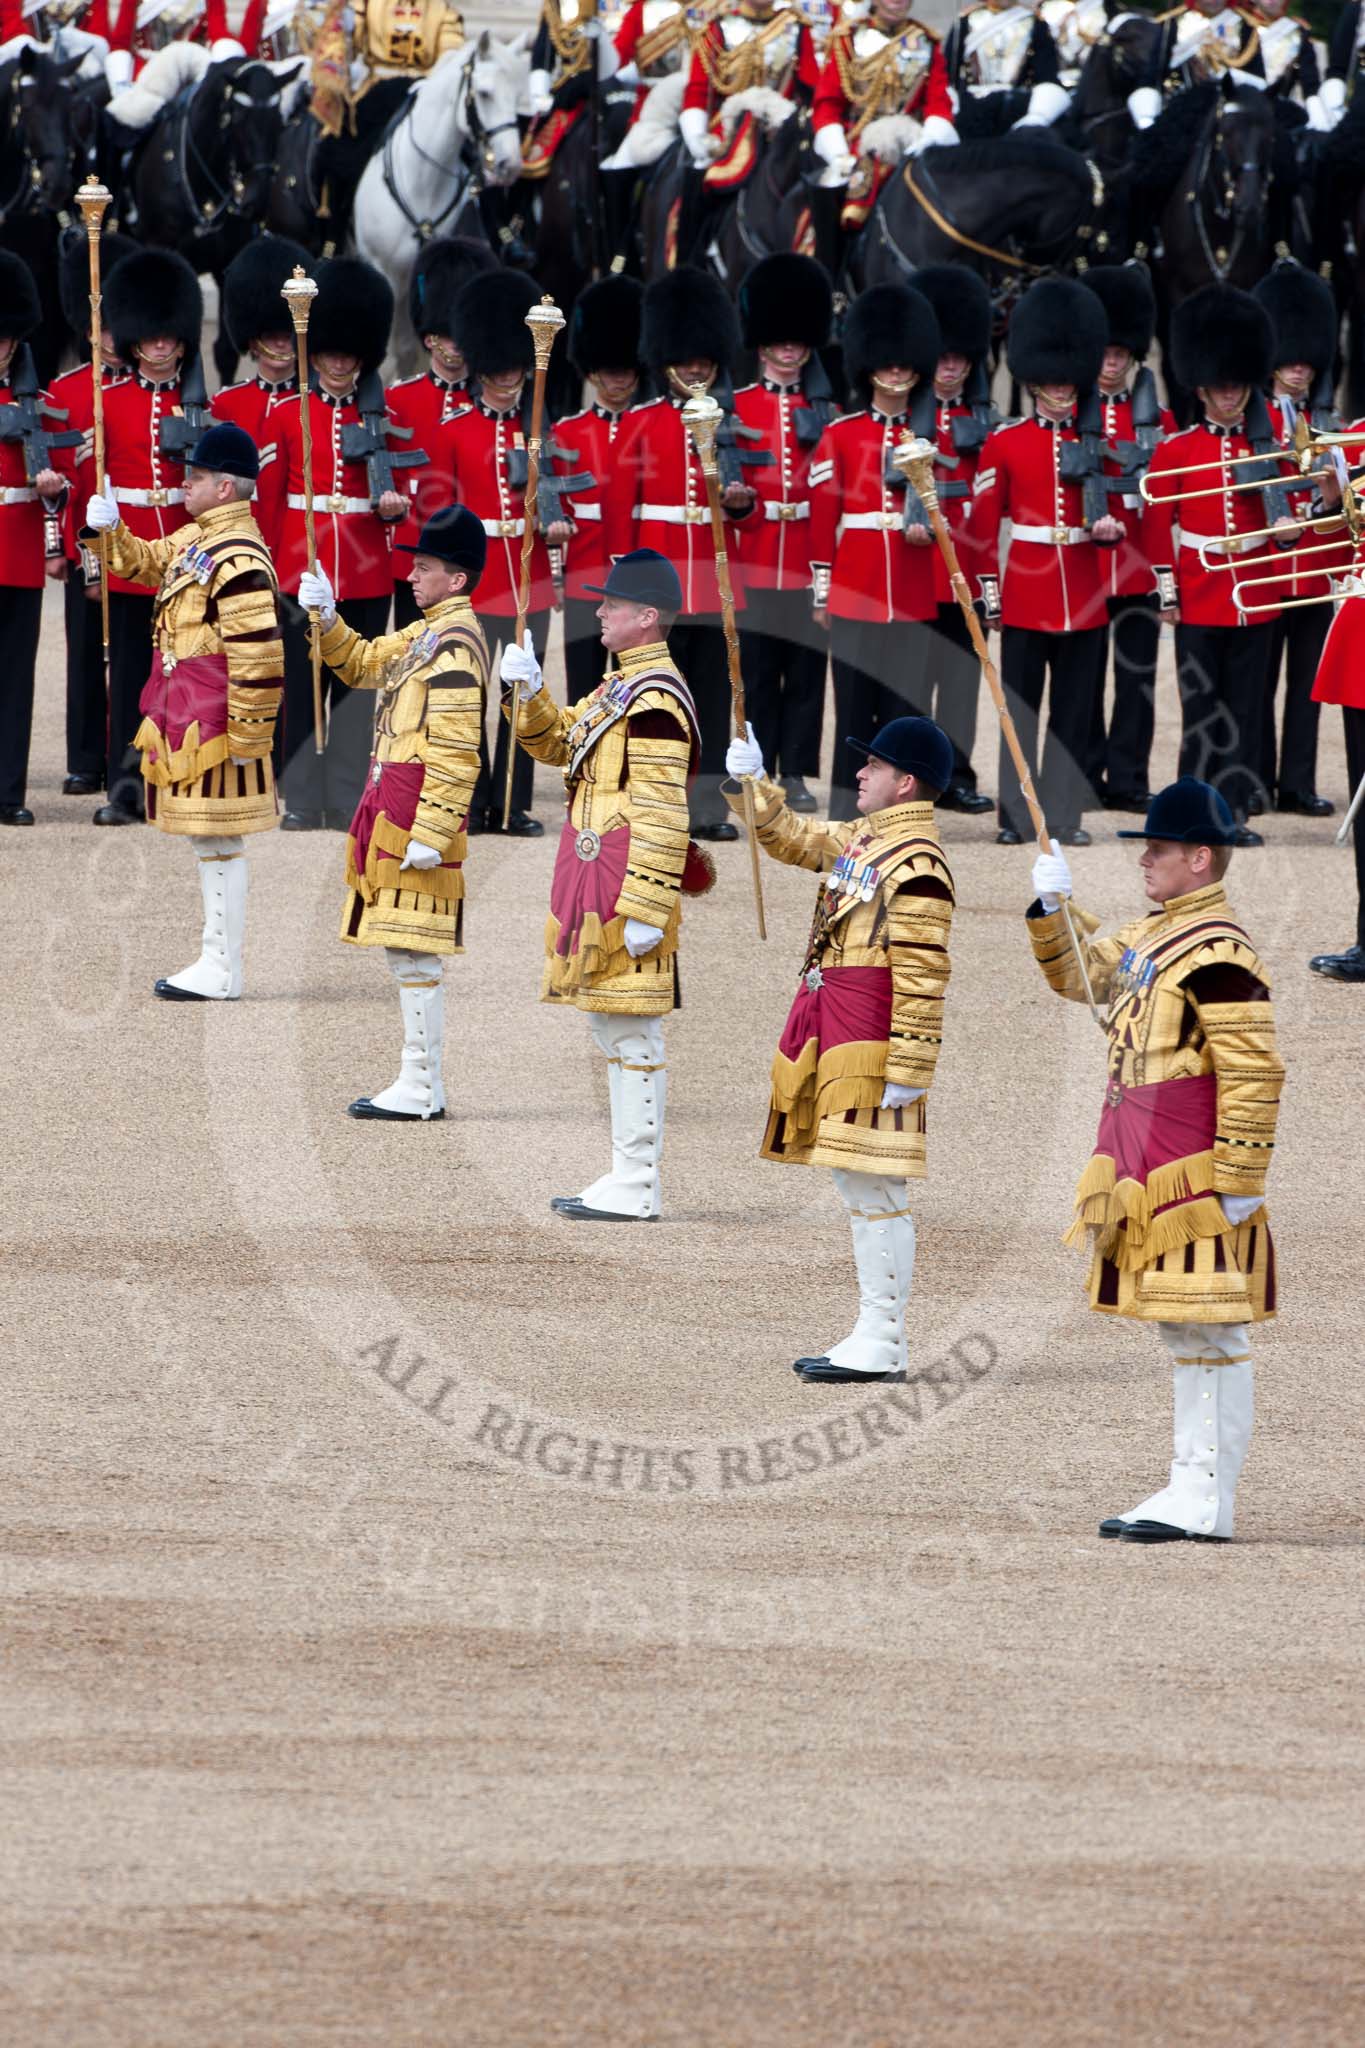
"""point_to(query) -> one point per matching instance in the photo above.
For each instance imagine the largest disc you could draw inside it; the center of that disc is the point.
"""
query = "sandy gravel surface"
(427, 1622)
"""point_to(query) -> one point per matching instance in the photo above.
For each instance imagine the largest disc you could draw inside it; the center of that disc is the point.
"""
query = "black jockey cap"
(644, 576)
(227, 450)
(1191, 812)
(914, 745)
(453, 535)
(20, 308)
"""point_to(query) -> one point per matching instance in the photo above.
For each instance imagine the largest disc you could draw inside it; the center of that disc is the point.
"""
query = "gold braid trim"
(190, 760)
(739, 69)
(571, 46)
(661, 42)
(1123, 1213)
(870, 84)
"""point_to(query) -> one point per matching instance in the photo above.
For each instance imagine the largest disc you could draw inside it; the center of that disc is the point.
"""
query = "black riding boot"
(618, 190)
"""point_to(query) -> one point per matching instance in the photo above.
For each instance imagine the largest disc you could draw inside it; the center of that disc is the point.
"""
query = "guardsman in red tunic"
(422, 405)
(964, 419)
(257, 324)
(34, 482)
(1045, 475)
(656, 498)
(1220, 346)
(872, 550)
(481, 459)
(786, 308)
(604, 348)
(151, 420)
(1304, 320)
(356, 508)
(1133, 421)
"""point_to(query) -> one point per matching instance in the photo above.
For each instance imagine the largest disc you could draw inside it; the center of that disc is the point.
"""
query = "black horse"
(681, 221)
(37, 181)
(315, 176)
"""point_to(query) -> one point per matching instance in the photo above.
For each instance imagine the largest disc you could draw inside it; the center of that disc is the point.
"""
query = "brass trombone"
(1261, 483)
(1350, 513)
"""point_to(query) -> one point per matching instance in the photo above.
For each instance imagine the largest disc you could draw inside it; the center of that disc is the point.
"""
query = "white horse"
(414, 186)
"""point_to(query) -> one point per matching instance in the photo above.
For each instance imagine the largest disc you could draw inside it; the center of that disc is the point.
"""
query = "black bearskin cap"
(604, 327)
(786, 297)
(1303, 316)
(490, 323)
(353, 311)
(889, 325)
(687, 315)
(1058, 334)
(20, 310)
(252, 305)
(151, 292)
(962, 304)
(1125, 292)
(73, 275)
(442, 269)
(1221, 336)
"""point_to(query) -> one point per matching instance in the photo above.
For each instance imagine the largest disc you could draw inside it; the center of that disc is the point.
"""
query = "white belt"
(881, 521)
(773, 508)
(586, 511)
(1215, 544)
(1051, 536)
(504, 529)
(332, 502)
(18, 494)
(125, 497)
(675, 515)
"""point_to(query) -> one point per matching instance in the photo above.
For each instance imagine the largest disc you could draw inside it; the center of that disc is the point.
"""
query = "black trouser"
(330, 783)
(878, 675)
(405, 606)
(1353, 724)
(784, 654)
(697, 645)
(1296, 642)
(1222, 675)
(488, 790)
(87, 710)
(585, 657)
(1122, 759)
(130, 664)
(1068, 665)
(953, 685)
(21, 613)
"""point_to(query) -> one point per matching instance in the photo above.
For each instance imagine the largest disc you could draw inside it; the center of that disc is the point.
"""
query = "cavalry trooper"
(155, 313)
(397, 38)
(423, 404)
(652, 44)
(257, 324)
(1045, 475)
(1345, 57)
(1132, 420)
(747, 45)
(871, 546)
(1205, 39)
(406, 849)
(861, 1043)
(964, 418)
(570, 50)
(209, 706)
(355, 510)
(786, 309)
(624, 860)
(1004, 53)
(1221, 346)
(1290, 59)
(1173, 1198)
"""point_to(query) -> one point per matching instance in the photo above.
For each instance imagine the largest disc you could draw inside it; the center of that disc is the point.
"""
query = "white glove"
(1319, 120)
(118, 69)
(629, 74)
(539, 96)
(641, 938)
(1051, 877)
(317, 595)
(240, 760)
(1237, 1208)
(1332, 93)
(519, 666)
(937, 133)
(895, 1095)
(101, 511)
(419, 856)
(695, 128)
(744, 757)
(1144, 104)
(1046, 104)
(831, 145)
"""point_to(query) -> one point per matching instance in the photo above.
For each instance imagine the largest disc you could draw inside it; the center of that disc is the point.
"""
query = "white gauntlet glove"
(895, 1095)
(519, 666)
(1052, 877)
(641, 937)
(101, 511)
(1237, 1208)
(317, 595)
(744, 757)
(539, 97)
(695, 128)
(419, 856)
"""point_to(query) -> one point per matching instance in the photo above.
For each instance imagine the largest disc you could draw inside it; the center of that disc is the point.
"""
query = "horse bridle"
(476, 135)
(28, 178)
(229, 197)
(1220, 261)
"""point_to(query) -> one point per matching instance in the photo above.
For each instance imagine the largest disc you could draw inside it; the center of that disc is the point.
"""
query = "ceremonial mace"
(702, 417)
(915, 461)
(544, 321)
(93, 199)
(298, 294)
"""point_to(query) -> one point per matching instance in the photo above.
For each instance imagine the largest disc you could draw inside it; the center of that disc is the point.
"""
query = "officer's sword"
(92, 199)
(915, 461)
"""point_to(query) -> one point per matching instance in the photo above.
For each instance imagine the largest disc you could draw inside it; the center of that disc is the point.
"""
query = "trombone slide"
(1264, 483)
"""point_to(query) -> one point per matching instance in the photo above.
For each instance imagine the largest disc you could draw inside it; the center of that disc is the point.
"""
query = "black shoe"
(1080, 837)
(369, 1112)
(1347, 966)
(1007, 836)
(82, 785)
(15, 814)
(1244, 836)
(301, 821)
(480, 821)
(1305, 803)
(719, 828)
(117, 814)
(520, 825)
(1127, 800)
(1113, 1525)
(1255, 806)
(578, 1211)
(823, 1372)
(798, 796)
(960, 796)
(1163, 1532)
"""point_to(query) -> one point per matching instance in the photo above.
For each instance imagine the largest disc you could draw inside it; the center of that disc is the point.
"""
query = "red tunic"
(1053, 581)
(1341, 670)
(423, 404)
(928, 95)
(656, 498)
(71, 394)
(149, 490)
(789, 61)
(355, 546)
(589, 439)
(1125, 570)
(249, 405)
(1206, 595)
(857, 524)
(777, 539)
(21, 509)
(470, 464)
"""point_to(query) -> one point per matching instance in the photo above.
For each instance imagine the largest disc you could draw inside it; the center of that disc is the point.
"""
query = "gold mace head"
(544, 321)
(914, 458)
(298, 293)
(93, 200)
(702, 416)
